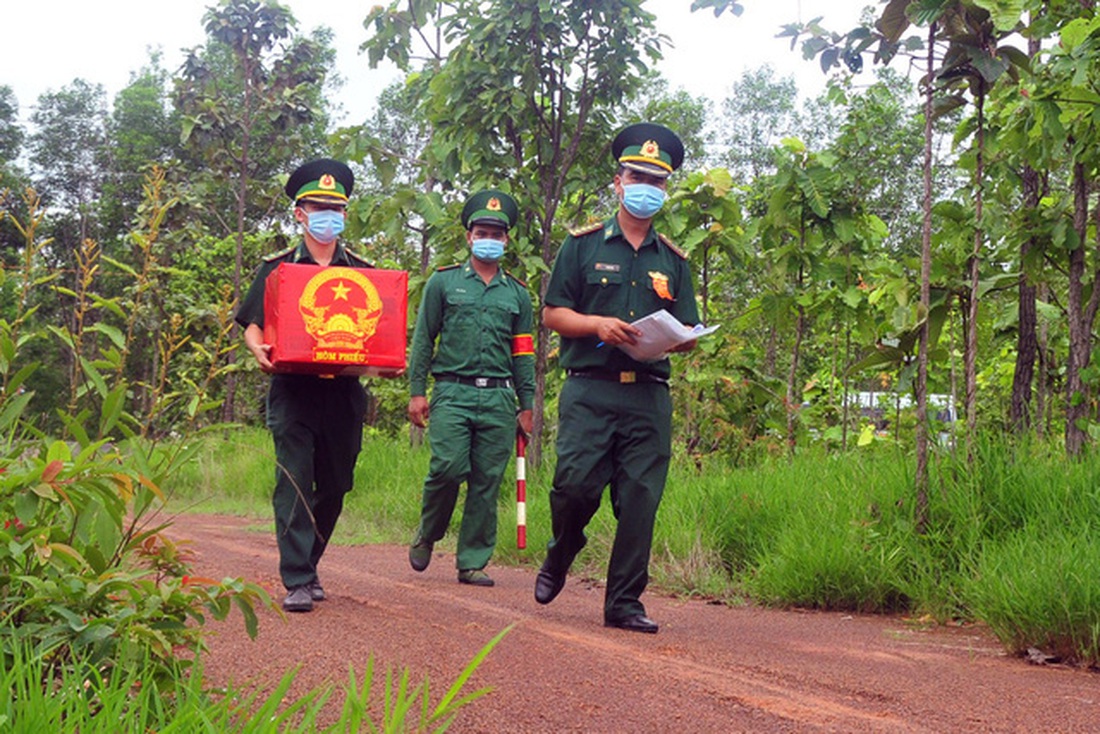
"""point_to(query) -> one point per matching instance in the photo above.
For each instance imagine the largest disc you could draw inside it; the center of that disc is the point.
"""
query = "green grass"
(1010, 541)
(47, 694)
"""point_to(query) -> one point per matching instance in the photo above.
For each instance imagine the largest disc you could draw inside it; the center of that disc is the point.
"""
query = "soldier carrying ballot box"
(316, 421)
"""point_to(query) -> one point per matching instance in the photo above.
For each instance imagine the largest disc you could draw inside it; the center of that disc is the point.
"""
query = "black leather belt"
(476, 381)
(624, 378)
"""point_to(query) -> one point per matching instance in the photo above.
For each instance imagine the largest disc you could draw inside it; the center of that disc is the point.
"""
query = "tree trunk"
(1042, 385)
(1079, 340)
(771, 350)
(921, 389)
(793, 403)
(542, 357)
(1027, 343)
(229, 409)
(970, 352)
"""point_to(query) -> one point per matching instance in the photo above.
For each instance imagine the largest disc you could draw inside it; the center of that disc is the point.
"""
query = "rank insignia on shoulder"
(515, 278)
(356, 257)
(586, 229)
(674, 248)
(452, 266)
(281, 253)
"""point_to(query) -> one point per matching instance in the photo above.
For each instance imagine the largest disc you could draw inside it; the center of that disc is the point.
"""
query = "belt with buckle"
(475, 381)
(624, 377)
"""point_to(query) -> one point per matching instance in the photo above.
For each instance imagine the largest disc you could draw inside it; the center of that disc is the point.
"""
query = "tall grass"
(92, 698)
(1010, 541)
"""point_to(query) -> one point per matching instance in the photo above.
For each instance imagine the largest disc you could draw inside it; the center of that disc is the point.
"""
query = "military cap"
(490, 207)
(321, 180)
(649, 148)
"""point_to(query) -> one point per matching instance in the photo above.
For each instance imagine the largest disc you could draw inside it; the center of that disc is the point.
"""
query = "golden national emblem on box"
(336, 320)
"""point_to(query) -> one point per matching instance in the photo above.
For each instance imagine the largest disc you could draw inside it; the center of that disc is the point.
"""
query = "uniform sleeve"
(686, 310)
(429, 320)
(251, 310)
(563, 289)
(523, 351)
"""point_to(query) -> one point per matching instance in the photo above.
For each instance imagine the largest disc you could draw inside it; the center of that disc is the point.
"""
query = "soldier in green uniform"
(483, 362)
(614, 423)
(316, 421)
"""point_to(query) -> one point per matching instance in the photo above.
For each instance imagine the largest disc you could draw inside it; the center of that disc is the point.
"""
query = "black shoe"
(634, 623)
(298, 599)
(420, 553)
(316, 591)
(474, 577)
(548, 584)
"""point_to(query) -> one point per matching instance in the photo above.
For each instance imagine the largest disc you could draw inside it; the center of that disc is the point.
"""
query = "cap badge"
(650, 149)
(327, 182)
(493, 205)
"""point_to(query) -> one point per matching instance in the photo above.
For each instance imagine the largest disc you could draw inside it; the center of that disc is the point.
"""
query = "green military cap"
(490, 207)
(649, 148)
(321, 180)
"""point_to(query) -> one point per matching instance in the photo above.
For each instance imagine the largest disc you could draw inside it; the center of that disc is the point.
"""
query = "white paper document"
(660, 333)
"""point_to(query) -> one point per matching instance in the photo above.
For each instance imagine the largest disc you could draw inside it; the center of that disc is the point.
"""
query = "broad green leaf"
(1075, 32)
(112, 333)
(94, 377)
(866, 435)
(113, 405)
(13, 410)
(1005, 14)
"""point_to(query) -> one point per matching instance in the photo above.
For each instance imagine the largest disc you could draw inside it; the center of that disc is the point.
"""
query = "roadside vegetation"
(930, 241)
(1010, 545)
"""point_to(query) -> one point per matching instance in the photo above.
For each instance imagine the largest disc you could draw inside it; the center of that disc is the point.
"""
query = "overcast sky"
(47, 45)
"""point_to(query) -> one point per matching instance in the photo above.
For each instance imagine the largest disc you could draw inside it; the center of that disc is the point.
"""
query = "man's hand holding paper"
(660, 333)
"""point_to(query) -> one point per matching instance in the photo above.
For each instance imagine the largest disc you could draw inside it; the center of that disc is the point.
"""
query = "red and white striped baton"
(521, 489)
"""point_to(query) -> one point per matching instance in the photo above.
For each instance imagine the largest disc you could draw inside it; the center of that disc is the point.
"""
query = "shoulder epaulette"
(674, 248)
(356, 256)
(283, 253)
(441, 268)
(586, 229)
(515, 278)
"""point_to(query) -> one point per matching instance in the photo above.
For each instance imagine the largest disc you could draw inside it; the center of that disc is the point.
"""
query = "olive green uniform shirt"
(598, 272)
(477, 325)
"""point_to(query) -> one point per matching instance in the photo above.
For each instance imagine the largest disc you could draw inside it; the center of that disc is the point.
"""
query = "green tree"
(758, 113)
(527, 94)
(11, 132)
(12, 181)
(67, 155)
(143, 132)
(251, 103)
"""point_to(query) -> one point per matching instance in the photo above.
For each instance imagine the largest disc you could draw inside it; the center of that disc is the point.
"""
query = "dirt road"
(711, 668)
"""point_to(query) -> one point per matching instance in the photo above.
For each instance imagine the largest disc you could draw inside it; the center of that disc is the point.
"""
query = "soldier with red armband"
(473, 336)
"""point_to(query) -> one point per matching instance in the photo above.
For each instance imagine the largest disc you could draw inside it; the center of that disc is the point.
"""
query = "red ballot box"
(336, 320)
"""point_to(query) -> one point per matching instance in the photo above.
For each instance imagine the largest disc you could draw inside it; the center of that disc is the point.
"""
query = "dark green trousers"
(614, 435)
(472, 431)
(317, 427)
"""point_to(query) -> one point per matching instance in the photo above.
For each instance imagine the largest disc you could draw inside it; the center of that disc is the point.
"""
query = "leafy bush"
(85, 571)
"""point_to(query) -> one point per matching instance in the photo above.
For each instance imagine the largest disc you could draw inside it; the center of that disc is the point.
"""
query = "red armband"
(522, 344)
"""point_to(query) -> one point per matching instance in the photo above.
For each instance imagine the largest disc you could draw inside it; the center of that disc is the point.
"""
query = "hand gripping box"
(336, 320)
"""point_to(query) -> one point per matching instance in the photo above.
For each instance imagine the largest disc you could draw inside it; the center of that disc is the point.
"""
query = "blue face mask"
(643, 200)
(325, 225)
(488, 251)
